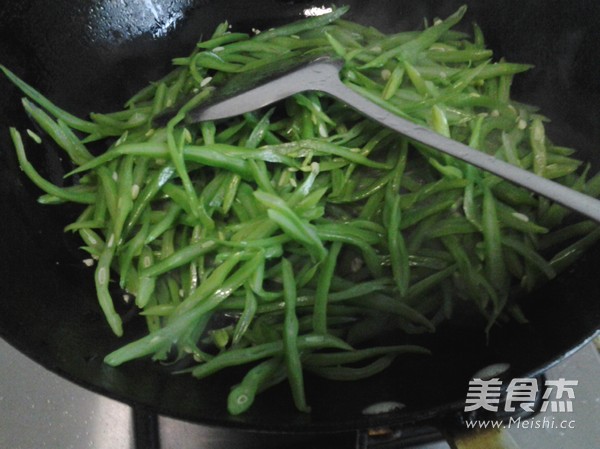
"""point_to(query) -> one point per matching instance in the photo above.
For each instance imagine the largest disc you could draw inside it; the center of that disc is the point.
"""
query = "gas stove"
(39, 409)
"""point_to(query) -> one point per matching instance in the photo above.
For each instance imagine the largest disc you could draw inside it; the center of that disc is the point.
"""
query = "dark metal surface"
(90, 55)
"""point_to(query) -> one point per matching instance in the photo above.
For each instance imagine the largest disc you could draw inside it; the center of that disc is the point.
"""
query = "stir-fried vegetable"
(306, 228)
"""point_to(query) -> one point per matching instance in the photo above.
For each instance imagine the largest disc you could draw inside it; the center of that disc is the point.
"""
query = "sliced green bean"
(46, 186)
(242, 395)
(69, 119)
(243, 323)
(62, 135)
(102, 279)
(494, 261)
(290, 338)
(323, 285)
(342, 358)
(236, 357)
(345, 373)
(303, 25)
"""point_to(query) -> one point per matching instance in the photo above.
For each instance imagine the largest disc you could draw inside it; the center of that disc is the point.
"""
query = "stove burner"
(40, 409)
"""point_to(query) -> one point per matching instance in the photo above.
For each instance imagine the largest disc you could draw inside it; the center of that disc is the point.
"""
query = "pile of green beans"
(308, 229)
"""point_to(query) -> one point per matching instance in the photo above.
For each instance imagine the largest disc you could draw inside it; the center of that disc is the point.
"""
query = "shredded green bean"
(307, 224)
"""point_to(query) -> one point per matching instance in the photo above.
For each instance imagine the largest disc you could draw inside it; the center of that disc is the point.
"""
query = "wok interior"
(90, 56)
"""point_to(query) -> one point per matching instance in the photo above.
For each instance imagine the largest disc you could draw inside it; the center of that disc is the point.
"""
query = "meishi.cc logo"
(521, 393)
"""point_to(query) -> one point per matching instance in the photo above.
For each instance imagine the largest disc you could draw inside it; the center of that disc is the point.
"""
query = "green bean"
(147, 92)
(84, 217)
(530, 255)
(442, 203)
(220, 30)
(211, 285)
(322, 292)
(565, 234)
(210, 60)
(464, 265)
(62, 135)
(242, 395)
(163, 225)
(102, 278)
(95, 244)
(349, 232)
(372, 205)
(46, 186)
(397, 246)
(448, 170)
(310, 201)
(302, 147)
(231, 192)
(346, 373)
(571, 253)
(124, 196)
(147, 284)
(459, 55)
(71, 190)
(136, 119)
(290, 338)
(236, 357)
(259, 130)
(174, 89)
(243, 323)
(311, 102)
(222, 40)
(69, 119)
(409, 200)
(369, 254)
(175, 145)
(149, 149)
(418, 289)
(426, 262)
(537, 139)
(511, 194)
(158, 340)
(291, 224)
(409, 50)
(140, 172)
(416, 79)
(132, 249)
(517, 220)
(158, 310)
(393, 83)
(501, 69)
(179, 258)
(352, 292)
(450, 226)
(303, 25)
(178, 197)
(179, 323)
(261, 177)
(153, 186)
(362, 194)
(492, 239)
(337, 46)
(342, 358)
(390, 305)
(253, 46)
(159, 100)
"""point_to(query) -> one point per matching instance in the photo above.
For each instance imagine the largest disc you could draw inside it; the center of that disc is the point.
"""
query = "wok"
(90, 55)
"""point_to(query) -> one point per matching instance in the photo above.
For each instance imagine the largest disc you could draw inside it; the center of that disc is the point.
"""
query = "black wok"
(92, 54)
